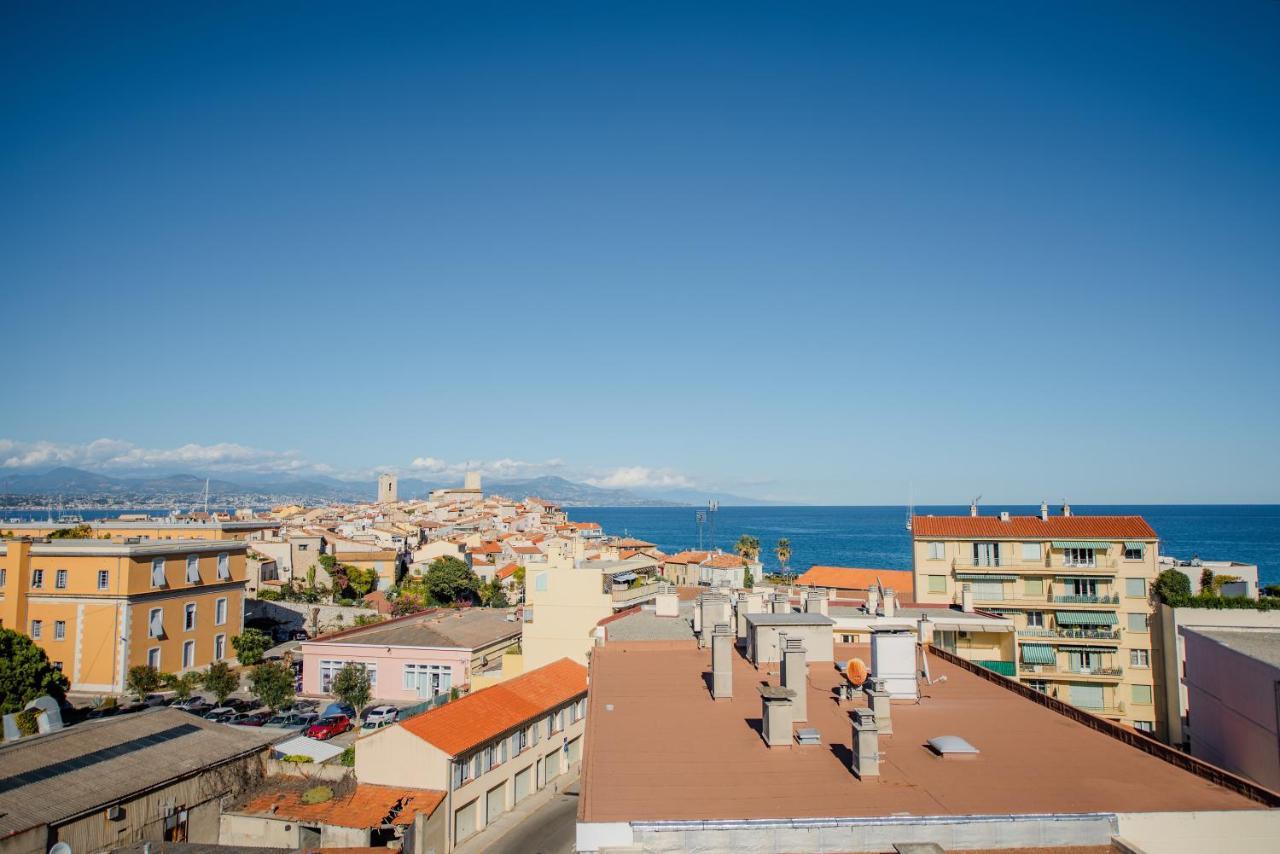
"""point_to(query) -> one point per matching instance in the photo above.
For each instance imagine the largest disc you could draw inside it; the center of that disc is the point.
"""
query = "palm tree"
(783, 551)
(747, 547)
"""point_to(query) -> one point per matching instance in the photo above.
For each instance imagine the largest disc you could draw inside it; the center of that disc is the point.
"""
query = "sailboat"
(911, 506)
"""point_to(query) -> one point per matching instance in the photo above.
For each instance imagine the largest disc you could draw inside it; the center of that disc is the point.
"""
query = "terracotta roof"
(723, 561)
(687, 557)
(486, 549)
(366, 805)
(507, 571)
(476, 718)
(1033, 527)
(526, 550)
(851, 578)
(631, 543)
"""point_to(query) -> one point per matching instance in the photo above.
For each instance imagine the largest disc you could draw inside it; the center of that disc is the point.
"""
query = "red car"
(326, 728)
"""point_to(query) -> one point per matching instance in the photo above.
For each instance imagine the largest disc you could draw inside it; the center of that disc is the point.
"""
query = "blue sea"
(877, 536)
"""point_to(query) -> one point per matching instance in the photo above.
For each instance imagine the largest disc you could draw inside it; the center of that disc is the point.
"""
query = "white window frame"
(37, 579)
(219, 647)
(937, 550)
(60, 578)
(1140, 658)
(104, 579)
(1148, 727)
(188, 654)
(1135, 554)
(37, 629)
(59, 630)
(224, 566)
(193, 569)
(153, 657)
(189, 613)
(158, 578)
(1080, 557)
(151, 622)
(220, 611)
(1035, 619)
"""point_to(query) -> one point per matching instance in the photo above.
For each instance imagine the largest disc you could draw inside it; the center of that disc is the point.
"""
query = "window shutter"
(157, 573)
(224, 567)
(157, 623)
(193, 569)
(457, 774)
(535, 729)
(504, 749)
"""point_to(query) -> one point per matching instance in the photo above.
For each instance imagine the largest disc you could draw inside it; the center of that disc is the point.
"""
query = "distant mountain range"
(72, 486)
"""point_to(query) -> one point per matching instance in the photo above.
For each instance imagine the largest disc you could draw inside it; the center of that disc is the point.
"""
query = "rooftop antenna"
(700, 519)
(206, 496)
(713, 507)
(911, 503)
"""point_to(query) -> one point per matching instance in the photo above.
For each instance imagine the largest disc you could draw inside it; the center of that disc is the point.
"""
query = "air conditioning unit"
(115, 813)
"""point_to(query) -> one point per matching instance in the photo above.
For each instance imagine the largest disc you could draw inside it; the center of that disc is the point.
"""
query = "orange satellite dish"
(856, 672)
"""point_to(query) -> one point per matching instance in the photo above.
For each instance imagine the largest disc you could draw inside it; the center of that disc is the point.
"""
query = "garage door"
(524, 781)
(1086, 696)
(495, 803)
(553, 765)
(464, 822)
(575, 750)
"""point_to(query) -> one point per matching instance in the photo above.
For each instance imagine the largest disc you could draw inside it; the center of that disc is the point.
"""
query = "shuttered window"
(193, 569)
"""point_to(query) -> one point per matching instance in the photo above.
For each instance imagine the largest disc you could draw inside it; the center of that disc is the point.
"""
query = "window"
(1137, 622)
(57, 665)
(37, 579)
(224, 567)
(937, 584)
(937, 551)
(37, 626)
(1141, 694)
(1033, 586)
(153, 657)
(540, 582)
(1079, 557)
(1139, 658)
(1040, 685)
(1035, 619)
(157, 572)
(1031, 551)
(1148, 727)
(155, 623)
(60, 579)
(427, 680)
(189, 617)
(219, 647)
(521, 741)
(302, 547)
(59, 629)
(988, 591)
(220, 612)
(1133, 552)
(188, 654)
(986, 554)
(329, 669)
(4, 576)
(1135, 587)
(104, 579)
(1082, 587)
(193, 569)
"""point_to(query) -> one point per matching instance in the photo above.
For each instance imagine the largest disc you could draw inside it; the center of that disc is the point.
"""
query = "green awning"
(1037, 653)
(1082, 648)
(984, 576)
(1081, 544)
(1085, 618)
(1135, 544)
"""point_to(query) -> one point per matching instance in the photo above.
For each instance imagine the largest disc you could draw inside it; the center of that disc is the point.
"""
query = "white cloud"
(107, 455)
(502, 469)
(638, 477)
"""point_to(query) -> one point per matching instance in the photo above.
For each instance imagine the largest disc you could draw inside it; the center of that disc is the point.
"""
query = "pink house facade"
(413, 658)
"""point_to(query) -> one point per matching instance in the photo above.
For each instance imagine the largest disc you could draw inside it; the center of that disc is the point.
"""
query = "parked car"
(241, 705)
(248, 719)
(195, 705)
(380, 716)
(153, 700)
(220, 714)
(294, 721)
(329, 726)
(338, 709)
(301, 706)
(299, 635)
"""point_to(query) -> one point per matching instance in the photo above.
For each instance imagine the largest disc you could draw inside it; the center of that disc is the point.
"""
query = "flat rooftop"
(646, 625)
(71, 547)
(714, 764)
(795, 618)
(1262, 644)
(464, 628)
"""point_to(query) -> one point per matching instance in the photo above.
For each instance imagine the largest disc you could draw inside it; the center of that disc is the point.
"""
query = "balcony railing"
(1053, 669)
(629, 595)
(1075, 599)
(1073, 633)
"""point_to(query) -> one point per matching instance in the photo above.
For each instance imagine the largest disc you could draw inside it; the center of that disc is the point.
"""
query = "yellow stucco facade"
(98, 608)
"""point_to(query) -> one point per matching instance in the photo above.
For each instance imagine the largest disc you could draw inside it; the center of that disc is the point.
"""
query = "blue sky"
(813, 252)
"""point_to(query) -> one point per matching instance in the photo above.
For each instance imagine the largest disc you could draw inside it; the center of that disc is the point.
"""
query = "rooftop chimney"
(865, 759)
(966, 598)
(873, 599)
(890, 606)
(816, 602)
(795, 676)
(973, 507)
(878, 702)
(776, 715)
(924, 630)
(1066, 509)
(1044, 511)
(1004, 515)
(721, 662)
(666, 602)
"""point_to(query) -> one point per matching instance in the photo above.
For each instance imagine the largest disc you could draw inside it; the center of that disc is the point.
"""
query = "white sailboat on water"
(911, 505)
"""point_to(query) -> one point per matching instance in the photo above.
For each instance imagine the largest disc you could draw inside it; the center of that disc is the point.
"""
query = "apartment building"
(99, 607)
(156, 529)
(1078, 589)
(488, 751)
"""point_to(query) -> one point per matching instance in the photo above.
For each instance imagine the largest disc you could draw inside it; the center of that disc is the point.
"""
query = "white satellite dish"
(60, 848)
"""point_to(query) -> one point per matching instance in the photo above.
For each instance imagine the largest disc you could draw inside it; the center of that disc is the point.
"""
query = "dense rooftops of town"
(462, 628)
(128, 547)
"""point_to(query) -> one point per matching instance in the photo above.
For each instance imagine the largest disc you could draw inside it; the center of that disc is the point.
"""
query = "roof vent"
(1004, 515)
(951, 745)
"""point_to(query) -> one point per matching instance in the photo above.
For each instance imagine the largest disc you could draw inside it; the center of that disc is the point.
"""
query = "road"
(550, 830)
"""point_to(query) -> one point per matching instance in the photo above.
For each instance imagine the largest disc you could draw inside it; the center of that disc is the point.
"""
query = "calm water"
(877, 537)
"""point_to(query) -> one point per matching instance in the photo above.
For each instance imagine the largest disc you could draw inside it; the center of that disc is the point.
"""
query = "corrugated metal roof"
(1032, 527)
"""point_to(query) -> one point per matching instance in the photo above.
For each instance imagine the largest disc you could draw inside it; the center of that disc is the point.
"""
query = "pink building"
(416, 657)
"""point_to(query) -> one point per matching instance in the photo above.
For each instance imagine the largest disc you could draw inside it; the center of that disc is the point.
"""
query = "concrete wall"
(1237, 831)
(389, 663)
(818, 642)
(565, 612)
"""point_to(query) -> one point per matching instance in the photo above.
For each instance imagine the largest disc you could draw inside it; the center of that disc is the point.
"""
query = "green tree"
(1171, 587)
(272, 683)
(182, 686)
(1206, 580)
(748, 580)
(747, 547)
(360, 581)
(449, 579)
(221, 681)
(79, 532)
(783, 551)
(351, 686)
(143, 679)
(518, 575)
(249, 645)
(25, 673)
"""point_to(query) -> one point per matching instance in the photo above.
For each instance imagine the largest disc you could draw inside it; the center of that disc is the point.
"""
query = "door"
(575, 750)
(986, 554)
(1086, 696)
(524, 783)
(308, 837)
(553, 765)
(1084, 662)
(495, 803)
(464, 822)
(1084, 586)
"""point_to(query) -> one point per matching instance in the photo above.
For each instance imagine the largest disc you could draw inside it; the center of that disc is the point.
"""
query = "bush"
(266, 594)
(250, 645)
(297, 758)
(317, 795)
(348, 757)
(1224, 603)
(28, 721)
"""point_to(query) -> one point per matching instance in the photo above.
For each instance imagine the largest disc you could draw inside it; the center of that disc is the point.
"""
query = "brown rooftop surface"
(1057, 527)
(714, 764)
(464, 628)
(361, 805)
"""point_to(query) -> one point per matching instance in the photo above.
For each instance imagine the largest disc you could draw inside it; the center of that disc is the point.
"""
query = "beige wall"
(565, 613)
(818, 642)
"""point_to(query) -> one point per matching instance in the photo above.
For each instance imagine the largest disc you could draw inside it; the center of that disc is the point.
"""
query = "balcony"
(1074, 633)
(628, 596)
(1093, 674)
(1073, 599)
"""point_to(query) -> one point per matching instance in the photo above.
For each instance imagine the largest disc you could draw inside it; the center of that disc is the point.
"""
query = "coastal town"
(470, 672)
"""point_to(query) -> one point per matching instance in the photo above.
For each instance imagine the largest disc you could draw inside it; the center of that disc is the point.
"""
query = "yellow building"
(154, 529)
(99, 607)
(1078, 589)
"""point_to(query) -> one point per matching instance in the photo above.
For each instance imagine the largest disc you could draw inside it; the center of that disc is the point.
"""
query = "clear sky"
(817, 252)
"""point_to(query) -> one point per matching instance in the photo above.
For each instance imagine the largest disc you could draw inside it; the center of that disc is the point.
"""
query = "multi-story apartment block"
(99, 607)
(156, 529)
(1078, 589)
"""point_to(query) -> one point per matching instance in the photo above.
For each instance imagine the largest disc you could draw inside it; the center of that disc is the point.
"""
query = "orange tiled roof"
(687, 557)
(486, 549)
(507, 571)
(526, 550)
(366, 805)
(1033, 527)
(631, 543)
(472, 720)
(723, 561)
(852, 578)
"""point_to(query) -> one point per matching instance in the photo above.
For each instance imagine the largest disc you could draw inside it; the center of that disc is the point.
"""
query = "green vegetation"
(143, 679)
(351, 686)
(367, 619)
(79, 532)
(182, 686)
(297, 758)
(25, 673)
(266, 594)
(1174, 589)
(348, 757)
(221, 681)
(1271, 590)
(28, 721)
(272, 683)
(493, 595)
(783, 551)
(1170, 585)
(747, 547)
(449, 579)
(317, 795)
(249, 645)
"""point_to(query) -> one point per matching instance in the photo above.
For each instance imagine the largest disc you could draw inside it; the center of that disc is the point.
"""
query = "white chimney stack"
(1066, 509)
(966, 598)
(973, 508)
(1044, 511)
(890, 606)
(873, 600)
